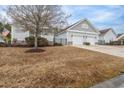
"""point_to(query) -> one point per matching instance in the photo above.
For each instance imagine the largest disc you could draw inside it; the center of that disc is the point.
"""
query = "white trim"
(61, 33)
(92, 26)
(76, 23)
(83, 32)
(88, 24)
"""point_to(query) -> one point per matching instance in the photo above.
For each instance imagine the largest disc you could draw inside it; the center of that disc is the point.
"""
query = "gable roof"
(119, 36)
(78, 22)
(104, 31)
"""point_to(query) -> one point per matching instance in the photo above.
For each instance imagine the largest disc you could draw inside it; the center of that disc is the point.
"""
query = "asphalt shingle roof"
(118, 35)
(104, 31)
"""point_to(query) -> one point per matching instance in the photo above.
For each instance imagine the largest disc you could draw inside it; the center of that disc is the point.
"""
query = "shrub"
(2, 44)
(114, 43)
(41, 41)
(86, 43)
(30, 40)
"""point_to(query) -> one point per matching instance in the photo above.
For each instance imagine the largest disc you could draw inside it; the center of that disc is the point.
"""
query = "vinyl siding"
(109, 36)
(18, 34)
(1, 40)
(82, 27)
(62, 35)
(49, 37)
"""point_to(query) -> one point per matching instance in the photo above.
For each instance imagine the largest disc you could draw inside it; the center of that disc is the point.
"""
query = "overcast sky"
(100, 16)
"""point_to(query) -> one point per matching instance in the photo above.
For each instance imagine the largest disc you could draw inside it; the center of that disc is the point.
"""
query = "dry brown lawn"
(63, 66)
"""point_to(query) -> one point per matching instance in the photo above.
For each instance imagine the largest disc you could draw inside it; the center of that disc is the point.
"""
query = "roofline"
(113, 31)
(84, 20)
(81, 31)
(93, 26)
(108, 31)
(78, 23)
(120, 37)
(61, 32)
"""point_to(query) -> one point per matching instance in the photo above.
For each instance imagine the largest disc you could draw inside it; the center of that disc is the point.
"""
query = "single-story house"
(18, 34)
(120, 39)
(79, 33)
(107, 35)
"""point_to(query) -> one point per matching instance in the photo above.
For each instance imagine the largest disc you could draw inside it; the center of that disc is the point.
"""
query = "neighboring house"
(106, 36)
(79, 33)
(18, 35)
(120, 39)
(1, 39)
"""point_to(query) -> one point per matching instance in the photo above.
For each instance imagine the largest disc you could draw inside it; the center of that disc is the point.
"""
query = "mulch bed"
(34, 51)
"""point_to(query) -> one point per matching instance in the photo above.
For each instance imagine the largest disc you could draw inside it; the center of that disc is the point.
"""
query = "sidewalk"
(117, 82)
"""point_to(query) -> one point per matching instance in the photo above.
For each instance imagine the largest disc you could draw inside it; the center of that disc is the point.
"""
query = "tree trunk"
(35, 42)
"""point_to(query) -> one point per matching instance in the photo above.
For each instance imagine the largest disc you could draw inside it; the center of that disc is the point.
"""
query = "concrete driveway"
(117, 82)
(111, 50)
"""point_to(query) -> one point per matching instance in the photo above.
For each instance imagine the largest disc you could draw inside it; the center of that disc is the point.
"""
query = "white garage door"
(91, 41)
(77, 40)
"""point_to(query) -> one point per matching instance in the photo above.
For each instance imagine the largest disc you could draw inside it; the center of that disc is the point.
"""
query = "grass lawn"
(63, 66)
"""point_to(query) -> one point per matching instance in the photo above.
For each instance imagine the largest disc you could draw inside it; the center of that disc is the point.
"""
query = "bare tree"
(35, 18)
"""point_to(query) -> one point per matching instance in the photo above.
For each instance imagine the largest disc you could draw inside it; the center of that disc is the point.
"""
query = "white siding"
(84, 37)
(63, 35)
(1, 40)
(83, 26)
(80, 33)
(18, 33)
(109, 36)
(61, 38)
(101, 38)
(49, 37)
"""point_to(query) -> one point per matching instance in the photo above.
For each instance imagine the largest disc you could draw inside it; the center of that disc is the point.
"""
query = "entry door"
(77, 40)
